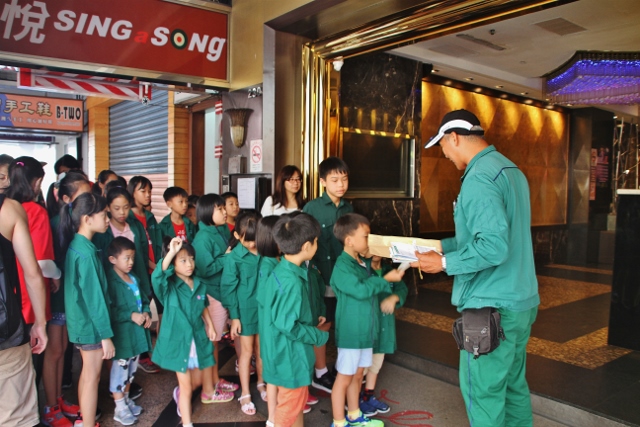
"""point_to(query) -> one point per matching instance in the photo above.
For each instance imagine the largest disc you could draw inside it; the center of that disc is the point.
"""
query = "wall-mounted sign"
(40, 113)
(149, 35)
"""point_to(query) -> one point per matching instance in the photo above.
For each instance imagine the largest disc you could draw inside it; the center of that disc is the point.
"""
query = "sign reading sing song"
(150, 35)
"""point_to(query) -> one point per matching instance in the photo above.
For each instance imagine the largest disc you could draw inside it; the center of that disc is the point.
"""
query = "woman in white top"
(287, 196)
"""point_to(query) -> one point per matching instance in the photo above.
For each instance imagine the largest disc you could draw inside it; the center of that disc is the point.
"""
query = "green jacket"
(239, 287)
(182, 321)
(491, 255)
(387, 336)
(286, 346)
(358, 310)
(86, 299)
(211, 243)
(154, 232)
(57, 298)
(141, 257)
(265, 268)
(316, 291)
(329, 248)
(129, 338)
(166, 228)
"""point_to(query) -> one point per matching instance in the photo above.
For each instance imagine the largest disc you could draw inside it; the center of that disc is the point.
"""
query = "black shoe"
(324, 383)
(334, 372)
(67, 383)
(135, 391)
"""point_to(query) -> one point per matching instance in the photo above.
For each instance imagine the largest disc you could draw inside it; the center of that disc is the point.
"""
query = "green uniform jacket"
(154, 232)
(211, 243)
(329, 248)
(316, 291)
(182, 321)
(491, 255)
(358, 309)
(290, 334)
(86, 299)
(141, 257)
(166, 228)
(129, 338)
(239, 287)
(387, 336)
(57, 298)
(265, 268)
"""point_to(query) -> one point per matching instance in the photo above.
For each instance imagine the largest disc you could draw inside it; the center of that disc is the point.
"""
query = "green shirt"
(358, 309)
(166, 228)
(491, 255)
(153, 230)
(286, 346)
(141, 257)
(316, 290)
(239, 287)
(181, 322)
(211, 243)
(329, 248)
(86, 299)
(129, 338)
(265, 268)
(387, 337)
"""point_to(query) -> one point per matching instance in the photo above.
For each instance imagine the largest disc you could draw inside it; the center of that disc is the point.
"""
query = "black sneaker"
(135, 391)
(324, 383)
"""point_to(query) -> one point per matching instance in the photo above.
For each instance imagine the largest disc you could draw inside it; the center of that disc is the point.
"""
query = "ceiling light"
(524, 93)
(478, 90)
(338, 63)
(597, 78)
(469, 79)
(528, 101)
(499, 86)
(435, 70)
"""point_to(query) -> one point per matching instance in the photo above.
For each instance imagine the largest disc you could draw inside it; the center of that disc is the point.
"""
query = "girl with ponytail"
(87, 312)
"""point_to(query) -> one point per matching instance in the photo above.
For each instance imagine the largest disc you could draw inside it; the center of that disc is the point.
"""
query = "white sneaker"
(124, 417)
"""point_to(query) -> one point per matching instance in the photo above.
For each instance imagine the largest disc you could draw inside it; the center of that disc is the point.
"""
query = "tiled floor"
(568, 355)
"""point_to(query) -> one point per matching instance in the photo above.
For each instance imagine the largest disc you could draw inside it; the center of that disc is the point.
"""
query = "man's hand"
(38, 338)
(429, 262)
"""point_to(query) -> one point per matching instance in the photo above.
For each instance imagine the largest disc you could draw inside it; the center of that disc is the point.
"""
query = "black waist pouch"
(478, 331)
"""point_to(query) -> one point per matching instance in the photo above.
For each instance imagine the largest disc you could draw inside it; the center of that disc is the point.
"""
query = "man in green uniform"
(491, 257)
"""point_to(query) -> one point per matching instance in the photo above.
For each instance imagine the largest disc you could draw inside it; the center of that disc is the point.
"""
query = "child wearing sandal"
(86, 298)
(184, 344)
(211, 244)
(130, 321)
(239, 286)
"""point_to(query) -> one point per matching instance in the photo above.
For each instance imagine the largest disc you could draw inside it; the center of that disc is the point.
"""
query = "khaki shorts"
(19, 403)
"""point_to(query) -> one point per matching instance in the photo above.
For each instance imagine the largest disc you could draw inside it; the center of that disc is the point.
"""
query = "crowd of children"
(276, 284)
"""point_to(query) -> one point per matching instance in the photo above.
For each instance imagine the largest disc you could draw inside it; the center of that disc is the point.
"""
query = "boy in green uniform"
(291, 332)
(177, 224)
(130, 322)
(386, 342)
(334, 177)
(357, 289)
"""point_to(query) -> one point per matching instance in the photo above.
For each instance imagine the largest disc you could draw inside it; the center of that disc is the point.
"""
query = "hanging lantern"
(238, 118)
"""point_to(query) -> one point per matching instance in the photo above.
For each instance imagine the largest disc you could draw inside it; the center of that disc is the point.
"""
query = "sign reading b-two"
(150, 35)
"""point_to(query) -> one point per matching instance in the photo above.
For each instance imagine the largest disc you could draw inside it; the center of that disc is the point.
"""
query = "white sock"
(321, 372)
(120, 404)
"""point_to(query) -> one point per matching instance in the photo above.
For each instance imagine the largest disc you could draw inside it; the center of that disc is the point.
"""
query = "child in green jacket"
(184, 344)
(239, 286)
(86, 300)
(270, 257)
(130, 321)
(386, 342)
(211, 244)
(357, 289)
(291, 330)
(177, 224)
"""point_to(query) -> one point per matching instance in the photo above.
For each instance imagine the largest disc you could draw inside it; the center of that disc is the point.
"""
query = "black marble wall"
(390, 85)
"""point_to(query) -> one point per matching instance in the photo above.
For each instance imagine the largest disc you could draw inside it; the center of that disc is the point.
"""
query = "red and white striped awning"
(80, 84)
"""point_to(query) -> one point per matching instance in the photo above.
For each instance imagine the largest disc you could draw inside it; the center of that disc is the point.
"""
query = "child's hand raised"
(175, 245)
(393, 276)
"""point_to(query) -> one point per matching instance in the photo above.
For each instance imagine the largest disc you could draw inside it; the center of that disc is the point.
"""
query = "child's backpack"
(11, 322)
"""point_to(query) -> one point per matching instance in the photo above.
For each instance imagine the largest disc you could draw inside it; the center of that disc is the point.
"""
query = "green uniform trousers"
(494, 387)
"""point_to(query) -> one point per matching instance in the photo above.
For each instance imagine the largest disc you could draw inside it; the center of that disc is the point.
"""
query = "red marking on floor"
(383, 395)
(406, 418)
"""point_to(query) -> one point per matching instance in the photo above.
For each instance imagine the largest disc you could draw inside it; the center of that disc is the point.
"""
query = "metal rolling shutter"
(138, 137)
